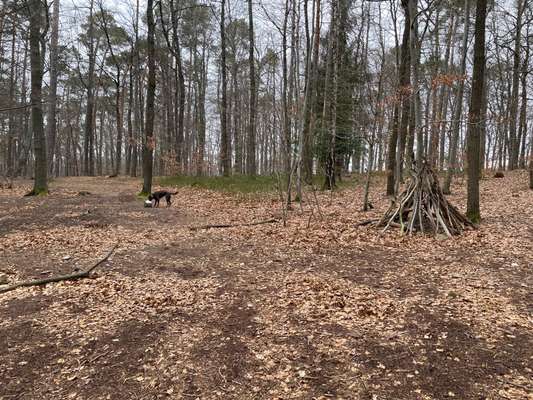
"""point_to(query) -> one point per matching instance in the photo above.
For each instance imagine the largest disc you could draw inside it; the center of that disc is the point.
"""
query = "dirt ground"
(319, 309)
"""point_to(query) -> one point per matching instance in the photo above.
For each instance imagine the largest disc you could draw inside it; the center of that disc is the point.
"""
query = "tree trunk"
(36, 11)
(404, 95)
(120, 126)
(334, 64)
(12, 104)
(149, 145)
(251, 168)
(52, 96)
(129, 144)
(286, 140)
(513, 106)
(531, 162)
(88, 160)
(225, 154)
(456, 118)
(474, 127)
(306, 154)
(522, 134)
(416, 103)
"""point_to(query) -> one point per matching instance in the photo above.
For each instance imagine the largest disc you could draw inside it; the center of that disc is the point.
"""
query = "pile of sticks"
(422, 207)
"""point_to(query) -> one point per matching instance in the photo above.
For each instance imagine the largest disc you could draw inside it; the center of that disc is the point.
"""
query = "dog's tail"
(176, 192)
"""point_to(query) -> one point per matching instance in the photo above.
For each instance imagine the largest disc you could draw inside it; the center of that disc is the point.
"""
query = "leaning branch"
(69, 277)
(268, 221)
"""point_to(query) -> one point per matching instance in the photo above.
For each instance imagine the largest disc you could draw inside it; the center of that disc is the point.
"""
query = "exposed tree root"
(69, 277)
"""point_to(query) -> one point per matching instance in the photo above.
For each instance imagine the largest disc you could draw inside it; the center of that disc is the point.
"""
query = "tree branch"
(73, 276)
(268, 221)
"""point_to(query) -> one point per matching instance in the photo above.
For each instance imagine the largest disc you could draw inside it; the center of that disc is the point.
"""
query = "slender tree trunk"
(251, 168)
(334, 54)
(120, 127)
(88, 160)
(200, 114)
(306, 154)
(52, 95)
(445, 95)
(149, 145)
(404, 95)
(522, 134)
(286, 140)
(129, 144)
(36, 12)
(225, 154)
(474, 126)
(513, 105)
(531, 162)
(416, 104)
(25, 134)
(458, 112)
(391, 154)
(180, 95)
(237, 115)
(12, 103)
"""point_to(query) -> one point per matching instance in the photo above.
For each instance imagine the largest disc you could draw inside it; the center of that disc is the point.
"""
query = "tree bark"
(36, 12)
(225, 154)
(456, 118)
(88, 160)
(396, 149)
(251, 168)
(531, 163)
(286, 149)
(513, 109)
(474, 127)
(306, 154)
(149, 145)
(12, 103)
(522, 132)
(52, 96)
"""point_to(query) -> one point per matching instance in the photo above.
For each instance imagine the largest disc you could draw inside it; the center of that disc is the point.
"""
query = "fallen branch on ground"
(367, 222)
(268, 221)
(69, 277)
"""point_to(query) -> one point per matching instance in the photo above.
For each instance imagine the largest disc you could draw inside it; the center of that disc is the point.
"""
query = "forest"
(266, 199)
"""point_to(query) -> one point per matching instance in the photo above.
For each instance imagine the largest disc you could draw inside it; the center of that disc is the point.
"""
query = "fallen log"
(214, 226)
(69, 277)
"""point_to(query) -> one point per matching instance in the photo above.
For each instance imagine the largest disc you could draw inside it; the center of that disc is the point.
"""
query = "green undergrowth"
(242, 184)
(231, 184)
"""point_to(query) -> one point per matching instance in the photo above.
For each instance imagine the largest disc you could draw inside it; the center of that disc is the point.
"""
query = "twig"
(73, 276)
(212, 226)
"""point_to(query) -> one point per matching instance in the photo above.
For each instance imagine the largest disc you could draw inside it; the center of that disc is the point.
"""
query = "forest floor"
(319, 309)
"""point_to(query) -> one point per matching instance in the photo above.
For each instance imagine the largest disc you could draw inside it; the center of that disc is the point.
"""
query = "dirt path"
(326, 311)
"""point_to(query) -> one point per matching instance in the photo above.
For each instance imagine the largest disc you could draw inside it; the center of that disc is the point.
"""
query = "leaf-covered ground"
(321, 308)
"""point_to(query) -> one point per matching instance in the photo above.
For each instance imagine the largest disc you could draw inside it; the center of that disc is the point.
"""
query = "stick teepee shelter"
(422, 207)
